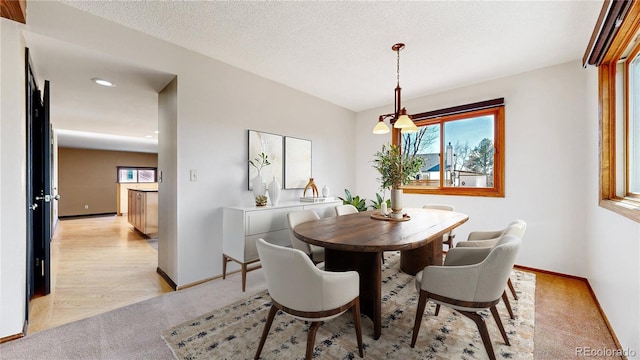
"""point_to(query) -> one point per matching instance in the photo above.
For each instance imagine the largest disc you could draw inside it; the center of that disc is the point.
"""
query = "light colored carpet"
(233, 332)
(131, 332)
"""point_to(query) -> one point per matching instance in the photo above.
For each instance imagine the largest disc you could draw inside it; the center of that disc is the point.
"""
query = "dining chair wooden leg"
(356, 322)
(311, 338)
(484, 333)
(265, 332)
(437, 309)
(496, 317)
(513, 290)
(505, 299)
(422, 302)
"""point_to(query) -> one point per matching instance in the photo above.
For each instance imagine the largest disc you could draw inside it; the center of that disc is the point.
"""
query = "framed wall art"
(271, 146)
(297, 162)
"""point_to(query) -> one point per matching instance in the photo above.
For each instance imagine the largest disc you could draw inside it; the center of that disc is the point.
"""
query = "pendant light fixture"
(399, 119)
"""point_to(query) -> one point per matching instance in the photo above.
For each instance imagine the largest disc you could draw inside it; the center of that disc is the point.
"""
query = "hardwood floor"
(97, 264)
(101, 263)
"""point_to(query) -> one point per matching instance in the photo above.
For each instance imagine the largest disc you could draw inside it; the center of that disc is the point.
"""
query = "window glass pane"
(127, 175)
(469, 152)
(146, 175)
(634, 126)
(426, 144)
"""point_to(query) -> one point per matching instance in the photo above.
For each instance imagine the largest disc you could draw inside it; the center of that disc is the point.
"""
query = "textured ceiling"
(341, 51)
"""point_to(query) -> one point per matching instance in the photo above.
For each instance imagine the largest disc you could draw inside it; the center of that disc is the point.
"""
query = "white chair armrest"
(466, 256)
(484, 235)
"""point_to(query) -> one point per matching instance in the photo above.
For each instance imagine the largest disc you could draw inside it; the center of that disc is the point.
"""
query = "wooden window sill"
(625, 207)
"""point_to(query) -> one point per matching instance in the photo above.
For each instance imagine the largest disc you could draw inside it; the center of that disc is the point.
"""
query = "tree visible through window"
(462, 152)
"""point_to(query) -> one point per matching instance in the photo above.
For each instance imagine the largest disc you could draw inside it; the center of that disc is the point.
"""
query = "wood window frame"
(608, 198)
(490, 107)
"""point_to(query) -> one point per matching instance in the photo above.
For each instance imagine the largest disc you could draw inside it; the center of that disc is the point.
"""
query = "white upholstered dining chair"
(448, 237)
(307, 293)
(316, 253)
(489, 239)
(469, 289)
(345, 209)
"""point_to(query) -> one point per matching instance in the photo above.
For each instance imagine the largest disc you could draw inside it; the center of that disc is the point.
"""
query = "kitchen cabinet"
(143, 210)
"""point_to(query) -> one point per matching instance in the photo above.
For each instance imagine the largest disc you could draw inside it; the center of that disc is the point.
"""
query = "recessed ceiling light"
(148, 136)
(103, 82)
(156, 132)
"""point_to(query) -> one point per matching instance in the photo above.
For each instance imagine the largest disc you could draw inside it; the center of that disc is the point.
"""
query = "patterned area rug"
(233, 332)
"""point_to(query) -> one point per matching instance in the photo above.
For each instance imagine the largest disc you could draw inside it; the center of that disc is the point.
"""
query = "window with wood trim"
(614, 49)
(462, 148)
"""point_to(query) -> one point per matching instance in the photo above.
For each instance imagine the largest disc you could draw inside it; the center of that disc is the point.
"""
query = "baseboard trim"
(593, 295)
(167, 279)
(67, 217)
(15, 336)
(11, 338)
(182, 287)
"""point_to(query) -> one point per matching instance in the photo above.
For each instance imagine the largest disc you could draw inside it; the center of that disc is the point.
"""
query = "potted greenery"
(396, 170)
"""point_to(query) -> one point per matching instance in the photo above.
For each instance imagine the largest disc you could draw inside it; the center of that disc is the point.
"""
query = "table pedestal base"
(414, 260)
(369, 266)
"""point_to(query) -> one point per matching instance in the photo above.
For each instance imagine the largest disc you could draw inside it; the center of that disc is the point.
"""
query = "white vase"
(325, 191)
(396, 203)
(274, 191)
(259, 187)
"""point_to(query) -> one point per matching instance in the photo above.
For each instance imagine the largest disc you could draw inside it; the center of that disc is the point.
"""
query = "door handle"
(56, 197)
(33, 207)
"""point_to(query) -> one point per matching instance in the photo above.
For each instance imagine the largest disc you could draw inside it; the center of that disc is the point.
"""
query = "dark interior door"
(38, 187)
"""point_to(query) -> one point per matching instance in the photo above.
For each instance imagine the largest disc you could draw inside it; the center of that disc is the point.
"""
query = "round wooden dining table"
(356, 241)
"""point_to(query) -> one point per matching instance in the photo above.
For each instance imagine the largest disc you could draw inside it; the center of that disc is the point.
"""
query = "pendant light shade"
(404, 121)
(381, 127)
(410, 129)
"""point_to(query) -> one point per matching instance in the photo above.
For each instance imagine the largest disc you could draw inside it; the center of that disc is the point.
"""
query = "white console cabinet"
(242, 226)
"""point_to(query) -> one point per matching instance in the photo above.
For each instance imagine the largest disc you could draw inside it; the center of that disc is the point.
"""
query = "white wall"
(12, 179)
(551, 181)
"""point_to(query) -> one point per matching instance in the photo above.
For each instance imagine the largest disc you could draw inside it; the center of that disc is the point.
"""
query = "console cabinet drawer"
(270, 220)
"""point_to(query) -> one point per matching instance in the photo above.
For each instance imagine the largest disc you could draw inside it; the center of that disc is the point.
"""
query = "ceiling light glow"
(103, 82)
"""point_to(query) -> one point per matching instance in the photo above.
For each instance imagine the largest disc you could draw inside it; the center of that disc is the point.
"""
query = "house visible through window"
(136, 174)
(462, 149)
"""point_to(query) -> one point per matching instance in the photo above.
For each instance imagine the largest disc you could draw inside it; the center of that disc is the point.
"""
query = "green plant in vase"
(396, 170)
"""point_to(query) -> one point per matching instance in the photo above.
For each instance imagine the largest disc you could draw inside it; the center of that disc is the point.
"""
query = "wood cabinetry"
(122, 194)
(243, 226)
(143, 210)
